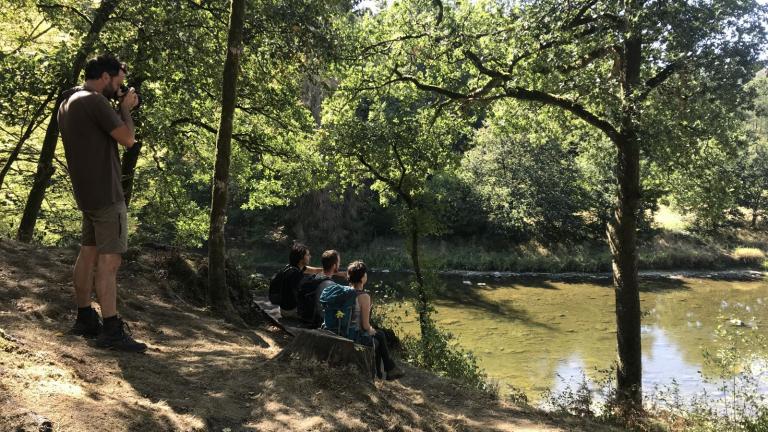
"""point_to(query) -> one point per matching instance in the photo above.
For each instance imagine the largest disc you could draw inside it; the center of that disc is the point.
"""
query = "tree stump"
(325, 346)
(21, 420)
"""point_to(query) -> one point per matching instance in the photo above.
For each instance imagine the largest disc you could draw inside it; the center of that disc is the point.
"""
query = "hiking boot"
(395, 373)
(117, 335)
(87, 324)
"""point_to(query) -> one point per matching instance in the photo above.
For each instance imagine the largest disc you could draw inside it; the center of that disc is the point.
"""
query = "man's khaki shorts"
(107, 229)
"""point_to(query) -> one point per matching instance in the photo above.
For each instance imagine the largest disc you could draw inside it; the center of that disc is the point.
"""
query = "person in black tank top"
(357, 274)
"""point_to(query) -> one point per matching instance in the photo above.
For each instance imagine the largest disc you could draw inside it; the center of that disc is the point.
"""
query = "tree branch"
(402, 166)
(31, 38)
(575, 108)
(659, 78)
(391, 41)
(480, 66)
(427, 87)
(244, 140)
(264, 113)
(389, 182)
(58, 6)
(524, 94)
(579, 18)
(194, 122)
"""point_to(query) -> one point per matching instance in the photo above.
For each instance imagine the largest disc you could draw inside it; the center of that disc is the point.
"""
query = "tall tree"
(218, 290)
(45, 167)
(394, 141)
(651, 76)
(30, 125)
(131, 156)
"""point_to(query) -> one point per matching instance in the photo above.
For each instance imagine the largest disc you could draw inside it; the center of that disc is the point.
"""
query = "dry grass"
(749, 255)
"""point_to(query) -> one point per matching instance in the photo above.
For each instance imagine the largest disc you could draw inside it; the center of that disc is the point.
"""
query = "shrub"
(747, 255)
(438, 352)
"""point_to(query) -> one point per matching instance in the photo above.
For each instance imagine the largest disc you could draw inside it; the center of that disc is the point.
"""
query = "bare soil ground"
(200, 373)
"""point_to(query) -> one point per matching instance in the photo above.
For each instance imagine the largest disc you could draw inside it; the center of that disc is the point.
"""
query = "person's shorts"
(106, 228)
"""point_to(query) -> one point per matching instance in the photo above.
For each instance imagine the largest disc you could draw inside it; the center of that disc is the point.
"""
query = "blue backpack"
(338, 303)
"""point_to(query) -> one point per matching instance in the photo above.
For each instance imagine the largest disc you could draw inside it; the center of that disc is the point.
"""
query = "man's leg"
(115, 333)
(106, 283)
(87, 323)
(111, 239)
(82, 275)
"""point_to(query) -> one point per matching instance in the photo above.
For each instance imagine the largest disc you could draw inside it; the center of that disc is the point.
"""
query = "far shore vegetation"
(672, 243)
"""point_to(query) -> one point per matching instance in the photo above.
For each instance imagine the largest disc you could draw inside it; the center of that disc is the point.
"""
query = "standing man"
(90, 130)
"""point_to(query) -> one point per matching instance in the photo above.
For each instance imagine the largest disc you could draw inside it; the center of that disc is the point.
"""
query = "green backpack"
(338, 303)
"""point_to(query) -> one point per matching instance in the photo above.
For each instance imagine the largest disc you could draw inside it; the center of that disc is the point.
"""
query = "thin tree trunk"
(45, 167)
(25, 136)
(423, 300)
(131, 156)
(755, 211)
(218, 290)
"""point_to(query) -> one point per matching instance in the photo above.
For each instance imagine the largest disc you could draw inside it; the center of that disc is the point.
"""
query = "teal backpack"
(338, 303)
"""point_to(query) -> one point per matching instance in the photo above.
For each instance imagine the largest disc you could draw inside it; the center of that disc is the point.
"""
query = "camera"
(123, 90)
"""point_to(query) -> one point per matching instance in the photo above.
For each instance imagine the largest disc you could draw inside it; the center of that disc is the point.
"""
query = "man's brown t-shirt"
(86, 119)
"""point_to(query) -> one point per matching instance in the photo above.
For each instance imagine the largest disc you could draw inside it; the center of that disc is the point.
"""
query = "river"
(538, 334)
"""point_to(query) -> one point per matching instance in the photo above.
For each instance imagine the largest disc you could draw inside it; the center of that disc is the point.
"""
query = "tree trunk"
(131, 156)
(45, 167)
(422, 300)
(755, 211)
(218, 290)
(421, 294)
(25, 136)
(622, 236)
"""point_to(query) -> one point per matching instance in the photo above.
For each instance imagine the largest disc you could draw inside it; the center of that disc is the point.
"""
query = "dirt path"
(199, 373)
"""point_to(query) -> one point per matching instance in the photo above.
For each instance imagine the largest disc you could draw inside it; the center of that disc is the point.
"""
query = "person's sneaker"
(87, 324)
(395, 373)
(117, 335)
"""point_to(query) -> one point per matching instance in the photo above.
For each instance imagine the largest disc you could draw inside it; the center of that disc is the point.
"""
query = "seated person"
(361, 314)
(309, 307)
(293, 275)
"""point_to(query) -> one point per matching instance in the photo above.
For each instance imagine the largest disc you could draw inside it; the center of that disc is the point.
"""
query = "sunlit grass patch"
(670, 219)
(749, 255)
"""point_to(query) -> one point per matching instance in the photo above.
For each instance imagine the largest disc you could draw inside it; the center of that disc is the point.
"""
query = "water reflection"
(527, 332)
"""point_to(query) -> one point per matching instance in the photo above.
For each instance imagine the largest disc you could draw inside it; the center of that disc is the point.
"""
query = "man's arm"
(126, 134)
(313, 270)
(318, 270)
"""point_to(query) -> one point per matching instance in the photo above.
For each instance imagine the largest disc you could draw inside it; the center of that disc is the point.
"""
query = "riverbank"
(201, 373)
(664, 251)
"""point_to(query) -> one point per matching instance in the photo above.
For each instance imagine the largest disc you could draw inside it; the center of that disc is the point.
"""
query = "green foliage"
(752, 163)
(438, 351)
(287, 177)
(576, 400)
(706, 186)
(527, 176)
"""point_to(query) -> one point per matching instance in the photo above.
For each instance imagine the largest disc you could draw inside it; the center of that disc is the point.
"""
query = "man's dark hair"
(356, 271)
(298, 250)
(330, 257)
(104, 63)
